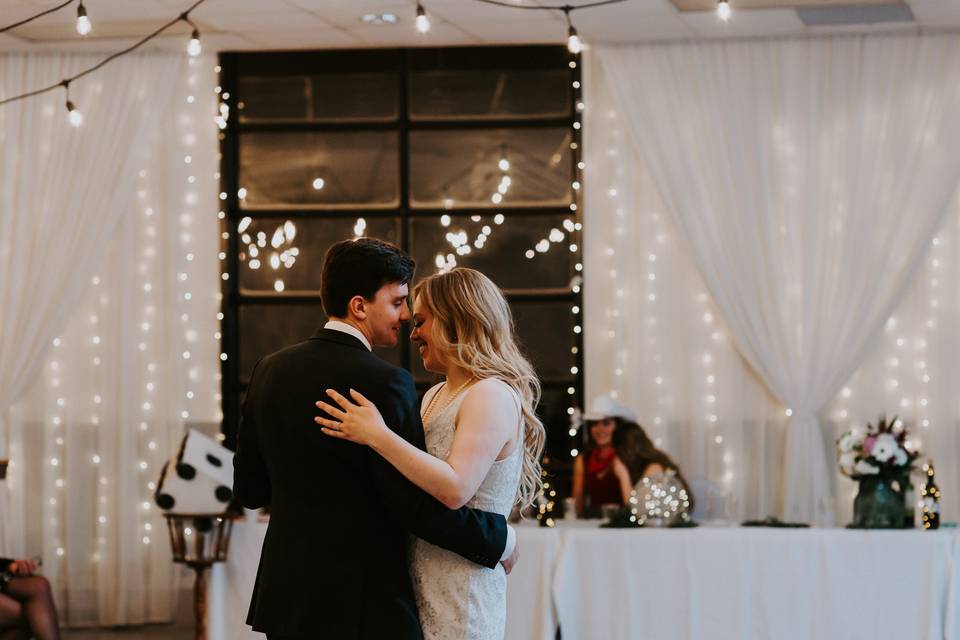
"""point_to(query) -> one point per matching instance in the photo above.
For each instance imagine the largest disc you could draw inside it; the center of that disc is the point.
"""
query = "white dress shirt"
(336, 325)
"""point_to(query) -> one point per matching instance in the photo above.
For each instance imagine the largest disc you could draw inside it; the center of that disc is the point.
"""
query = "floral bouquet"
(883, 451)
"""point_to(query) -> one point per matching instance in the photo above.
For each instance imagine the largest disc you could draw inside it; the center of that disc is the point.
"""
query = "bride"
(483, 441)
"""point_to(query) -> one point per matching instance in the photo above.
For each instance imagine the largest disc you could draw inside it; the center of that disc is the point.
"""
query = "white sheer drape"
(60, 194)
(654, 338)
(109, 320)
(913, 370)
(807, 178)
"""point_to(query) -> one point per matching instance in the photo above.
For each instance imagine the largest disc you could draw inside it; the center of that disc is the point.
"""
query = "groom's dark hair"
(360, 267)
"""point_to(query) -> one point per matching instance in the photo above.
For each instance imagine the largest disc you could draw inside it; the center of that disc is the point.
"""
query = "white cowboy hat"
(604, 407)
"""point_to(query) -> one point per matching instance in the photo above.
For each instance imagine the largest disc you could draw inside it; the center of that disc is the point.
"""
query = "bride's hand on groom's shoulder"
(358, 421)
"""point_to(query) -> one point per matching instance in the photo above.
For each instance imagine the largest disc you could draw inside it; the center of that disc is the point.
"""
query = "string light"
(74, 117)
(574, 44)
(723, 10)
(156, 33)
(83, 21)
(193, 47)
(422, 22)
(45, 12)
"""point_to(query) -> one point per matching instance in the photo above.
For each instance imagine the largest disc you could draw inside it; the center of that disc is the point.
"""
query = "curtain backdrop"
(108, 302)
(805, 180)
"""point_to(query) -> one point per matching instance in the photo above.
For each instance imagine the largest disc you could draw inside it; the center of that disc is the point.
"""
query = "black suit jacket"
(334, 562)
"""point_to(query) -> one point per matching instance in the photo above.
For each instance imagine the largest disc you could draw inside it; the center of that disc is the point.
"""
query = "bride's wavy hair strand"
(472, 323)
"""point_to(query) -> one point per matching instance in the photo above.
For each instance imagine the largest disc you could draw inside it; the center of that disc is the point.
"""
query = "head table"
(706, 582)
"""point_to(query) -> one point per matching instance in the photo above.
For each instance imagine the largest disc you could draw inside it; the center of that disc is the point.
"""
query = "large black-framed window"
(468, 155)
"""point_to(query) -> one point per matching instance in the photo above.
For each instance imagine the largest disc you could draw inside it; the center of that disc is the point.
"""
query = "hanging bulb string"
(566, 8)
(193, 49)
(422, 21)
(185, 16)
(39, 15)
(574, 43)
(83, 20)
(36, 92)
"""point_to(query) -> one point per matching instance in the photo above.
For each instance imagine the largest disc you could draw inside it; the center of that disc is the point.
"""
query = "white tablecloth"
(743, 583)
(704, 583)
(530, 614)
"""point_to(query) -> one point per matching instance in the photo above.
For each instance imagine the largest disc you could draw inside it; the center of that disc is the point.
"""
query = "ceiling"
(318, 24)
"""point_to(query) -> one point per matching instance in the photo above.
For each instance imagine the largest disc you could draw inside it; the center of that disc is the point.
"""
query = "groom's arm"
(251, 482)
(478, 536)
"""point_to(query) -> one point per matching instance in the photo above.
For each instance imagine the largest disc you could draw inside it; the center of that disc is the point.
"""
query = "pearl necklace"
(433, 400)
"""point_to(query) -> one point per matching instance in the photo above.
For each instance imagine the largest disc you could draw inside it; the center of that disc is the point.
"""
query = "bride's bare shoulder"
(491, 393)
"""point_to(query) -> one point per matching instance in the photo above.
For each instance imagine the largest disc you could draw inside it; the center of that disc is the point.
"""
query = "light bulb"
(723, 10)
(74, 115)
(423, 22)
(193, 48)
(574, 44)
(83, 22)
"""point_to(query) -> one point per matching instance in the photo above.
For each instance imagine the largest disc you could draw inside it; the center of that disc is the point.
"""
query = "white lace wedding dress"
(457, 599)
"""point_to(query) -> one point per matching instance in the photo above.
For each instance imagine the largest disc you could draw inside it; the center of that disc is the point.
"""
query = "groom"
(334, 562)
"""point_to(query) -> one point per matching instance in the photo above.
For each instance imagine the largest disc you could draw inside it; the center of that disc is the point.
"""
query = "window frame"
(402, 61)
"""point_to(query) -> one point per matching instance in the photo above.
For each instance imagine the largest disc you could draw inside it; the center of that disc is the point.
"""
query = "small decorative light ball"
(660, 500)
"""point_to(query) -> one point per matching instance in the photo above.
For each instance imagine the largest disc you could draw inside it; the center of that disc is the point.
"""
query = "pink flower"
(868, 443)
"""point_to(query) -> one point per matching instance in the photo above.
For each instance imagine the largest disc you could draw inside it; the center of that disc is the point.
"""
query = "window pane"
(489, 168)
(546, 335)
(265, 328)
(479, 94)
(502, 255)
(268, 328)
(277, 98)
(326, 169)
(545, 332)
(291, 251)
(552, 410)
(319, 98)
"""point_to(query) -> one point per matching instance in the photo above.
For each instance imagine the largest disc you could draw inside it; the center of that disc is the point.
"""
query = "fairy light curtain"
(109, 326)
(805, 180)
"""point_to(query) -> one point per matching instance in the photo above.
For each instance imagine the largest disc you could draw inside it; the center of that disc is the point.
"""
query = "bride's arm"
(486, 421)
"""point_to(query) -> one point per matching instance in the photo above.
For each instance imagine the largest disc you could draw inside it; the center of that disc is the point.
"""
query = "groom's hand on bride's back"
(512, 560)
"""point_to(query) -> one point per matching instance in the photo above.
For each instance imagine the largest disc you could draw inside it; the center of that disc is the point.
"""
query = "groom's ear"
(357, 307)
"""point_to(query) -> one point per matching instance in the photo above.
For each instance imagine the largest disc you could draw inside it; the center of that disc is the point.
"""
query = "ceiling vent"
(854, 14)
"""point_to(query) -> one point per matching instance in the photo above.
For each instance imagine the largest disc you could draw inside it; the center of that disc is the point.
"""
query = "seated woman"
(594, 481)
(26, 604)
(637, 458)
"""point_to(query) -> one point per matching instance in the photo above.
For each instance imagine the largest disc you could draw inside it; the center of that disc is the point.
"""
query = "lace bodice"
(457, 599)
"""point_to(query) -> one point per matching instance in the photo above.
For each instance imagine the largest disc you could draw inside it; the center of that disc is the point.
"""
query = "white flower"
(900, 457)
(864, 468)
(847, 460)
(846, 442)
(884, 448)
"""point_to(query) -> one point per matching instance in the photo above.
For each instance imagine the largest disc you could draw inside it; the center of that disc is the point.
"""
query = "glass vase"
(879, 504)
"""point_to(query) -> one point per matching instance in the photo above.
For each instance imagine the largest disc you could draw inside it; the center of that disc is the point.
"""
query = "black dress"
(4, 564)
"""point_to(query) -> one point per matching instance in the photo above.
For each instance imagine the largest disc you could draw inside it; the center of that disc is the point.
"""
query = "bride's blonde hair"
(473, 325)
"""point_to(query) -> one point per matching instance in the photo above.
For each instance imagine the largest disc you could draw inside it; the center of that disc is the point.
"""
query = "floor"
(180, 629)
(152, 632)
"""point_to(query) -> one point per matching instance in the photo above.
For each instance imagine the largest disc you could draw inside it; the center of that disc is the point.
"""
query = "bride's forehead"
(419, 307)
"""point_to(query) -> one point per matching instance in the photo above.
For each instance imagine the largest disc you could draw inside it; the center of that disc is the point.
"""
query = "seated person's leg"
(12, 621)
(34, 595)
